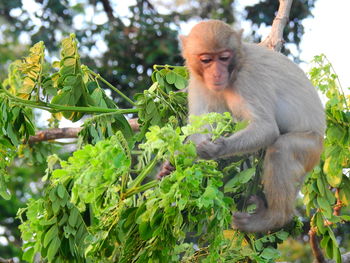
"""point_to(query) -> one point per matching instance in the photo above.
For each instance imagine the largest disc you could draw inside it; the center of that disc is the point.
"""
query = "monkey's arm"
(254, 137)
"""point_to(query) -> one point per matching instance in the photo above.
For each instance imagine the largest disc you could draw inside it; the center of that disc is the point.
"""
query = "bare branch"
(275, 40)
(56, 133)
(316, 250)
(2, 260)
(60, 133)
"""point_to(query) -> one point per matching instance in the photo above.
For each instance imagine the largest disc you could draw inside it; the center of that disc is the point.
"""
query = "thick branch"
(2, 260)
(316, 250)
(60, 133)
(275, 40)
(56, 133)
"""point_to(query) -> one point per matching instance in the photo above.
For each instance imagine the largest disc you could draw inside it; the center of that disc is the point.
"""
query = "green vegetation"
(103, 203)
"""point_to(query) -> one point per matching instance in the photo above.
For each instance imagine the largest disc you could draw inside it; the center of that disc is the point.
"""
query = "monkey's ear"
(183, 40)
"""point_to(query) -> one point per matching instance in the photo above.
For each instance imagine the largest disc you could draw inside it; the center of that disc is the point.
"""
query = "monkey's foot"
(261, 221)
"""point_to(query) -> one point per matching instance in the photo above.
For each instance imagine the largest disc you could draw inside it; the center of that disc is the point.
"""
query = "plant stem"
(141, 188)
(138, 180)
(112, 87)
(61, 108)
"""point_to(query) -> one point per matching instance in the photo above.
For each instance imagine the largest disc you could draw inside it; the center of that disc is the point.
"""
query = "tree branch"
(108, 9)
(275, 40)
(316, 250)
(60, 133)
(2, 260)
(52, 134)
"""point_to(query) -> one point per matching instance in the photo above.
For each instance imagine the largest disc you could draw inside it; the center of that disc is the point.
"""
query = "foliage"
(327, 189)
(162, 99)
(122, 45)
(124, 219)
(99, 205)
(103, 204)
(16, 125)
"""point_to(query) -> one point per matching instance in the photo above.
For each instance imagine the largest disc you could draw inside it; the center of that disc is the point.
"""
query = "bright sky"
(328, 32)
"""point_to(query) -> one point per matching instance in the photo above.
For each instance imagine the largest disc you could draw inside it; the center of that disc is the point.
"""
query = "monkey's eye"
(224, 58)
(206, 60)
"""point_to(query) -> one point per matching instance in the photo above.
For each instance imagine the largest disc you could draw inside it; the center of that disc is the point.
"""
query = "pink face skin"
(215, 69)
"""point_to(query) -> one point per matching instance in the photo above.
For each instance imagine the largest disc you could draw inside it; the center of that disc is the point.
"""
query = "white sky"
(328, 32)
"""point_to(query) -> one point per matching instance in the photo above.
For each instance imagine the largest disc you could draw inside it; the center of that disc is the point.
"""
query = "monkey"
(284, 113)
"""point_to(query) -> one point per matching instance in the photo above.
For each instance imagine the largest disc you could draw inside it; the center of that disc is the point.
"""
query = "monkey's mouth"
(218, 86)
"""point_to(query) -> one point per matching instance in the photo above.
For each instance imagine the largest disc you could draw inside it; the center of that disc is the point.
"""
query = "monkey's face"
(215, 69)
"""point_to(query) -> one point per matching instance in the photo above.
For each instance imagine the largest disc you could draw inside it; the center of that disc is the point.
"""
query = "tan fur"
(284, 112)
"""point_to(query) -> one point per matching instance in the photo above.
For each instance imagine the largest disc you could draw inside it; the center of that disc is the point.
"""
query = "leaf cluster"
(122, 215)
(15, 125)
(163, 99)
(327, 189)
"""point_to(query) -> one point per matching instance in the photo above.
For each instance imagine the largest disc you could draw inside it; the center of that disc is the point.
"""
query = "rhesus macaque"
(264, 87)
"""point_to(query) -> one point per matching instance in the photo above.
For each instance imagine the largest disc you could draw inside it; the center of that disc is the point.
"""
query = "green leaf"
(180, 83)
(11, 134)
(160, 79)
(63, 220)
(170, 77)
(73, 217)
(258, 245)
(270, 253)
(320, 223)
(56, 206)
(52, 195)
(325, 206)
(151, 107)
(239, 179)
(53, 231)
(329, 249)
(282, 235)
(4, 192)
(28, 255)
(344, 195)
(47, 222)
(61, 191)
(53, 248)
(321, 185)
(145, 230)
(324, 240)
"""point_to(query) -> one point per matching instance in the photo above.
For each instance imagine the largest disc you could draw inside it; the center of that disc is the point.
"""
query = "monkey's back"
(275, 80)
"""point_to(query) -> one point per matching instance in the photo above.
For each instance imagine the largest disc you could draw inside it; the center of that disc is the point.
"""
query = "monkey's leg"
(286, 162)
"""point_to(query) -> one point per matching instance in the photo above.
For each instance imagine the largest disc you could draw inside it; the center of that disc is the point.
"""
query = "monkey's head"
(212, 50)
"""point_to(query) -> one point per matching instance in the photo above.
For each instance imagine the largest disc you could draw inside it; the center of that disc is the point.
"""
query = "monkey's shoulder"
(268, 65)
(261, 55)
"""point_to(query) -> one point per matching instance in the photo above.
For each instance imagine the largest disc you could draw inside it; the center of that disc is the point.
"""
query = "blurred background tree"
(120, 41)
(125, 43)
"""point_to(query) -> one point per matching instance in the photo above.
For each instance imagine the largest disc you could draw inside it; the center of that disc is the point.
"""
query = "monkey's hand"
(210, 150)
(166, 169)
